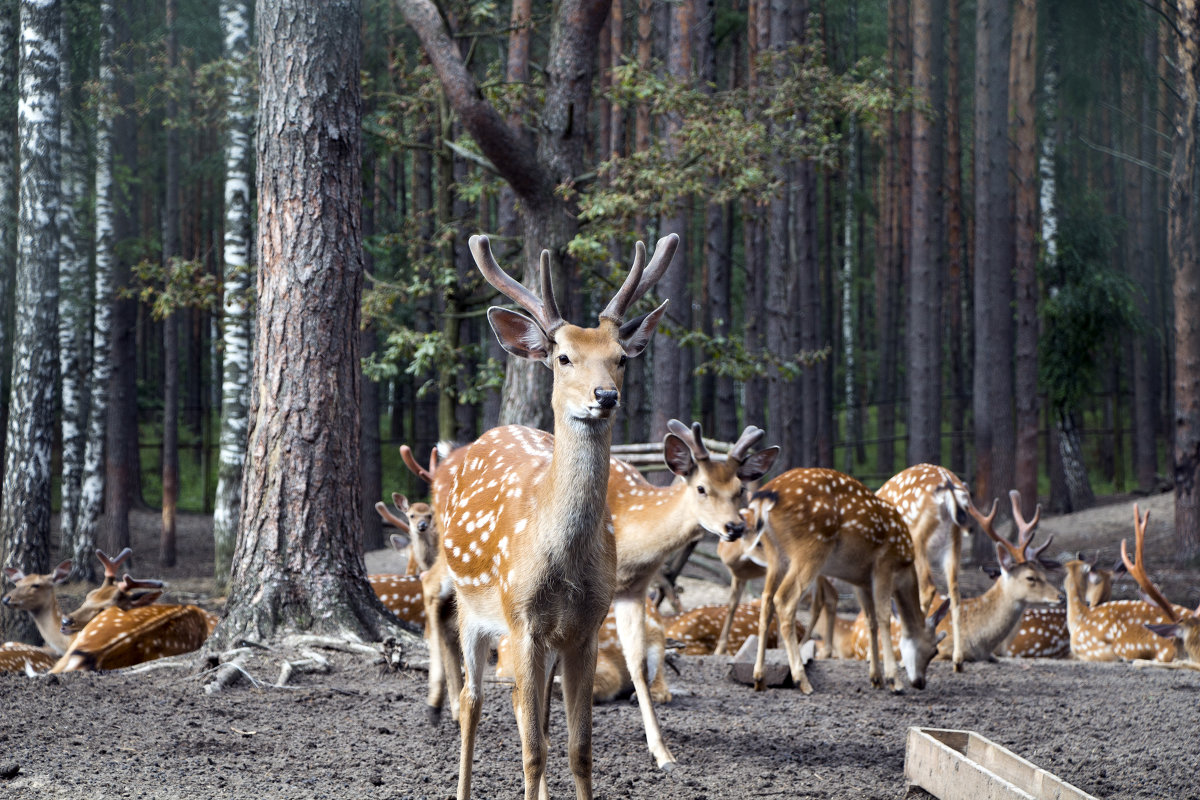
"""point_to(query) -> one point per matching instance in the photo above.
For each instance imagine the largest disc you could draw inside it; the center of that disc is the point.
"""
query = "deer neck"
(47, 618)
(1076, 604)
(573, 493)
(908, 603)
(650, 525)
(993, 615)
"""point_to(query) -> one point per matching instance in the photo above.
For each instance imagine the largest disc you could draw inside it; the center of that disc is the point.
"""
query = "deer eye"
(622, 360)
(701, 490)
(564, 360)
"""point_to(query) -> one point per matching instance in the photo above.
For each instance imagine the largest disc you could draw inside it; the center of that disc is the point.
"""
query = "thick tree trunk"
(299, 561)
(25, 509)
(236, 324)
(1023, 88)
(993, 377)
(170, 324)
(956, 246)
(1185, 258)
(8, 200)
(91, 499)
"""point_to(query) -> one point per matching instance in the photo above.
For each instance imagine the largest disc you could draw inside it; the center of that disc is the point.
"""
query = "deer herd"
(545, 546)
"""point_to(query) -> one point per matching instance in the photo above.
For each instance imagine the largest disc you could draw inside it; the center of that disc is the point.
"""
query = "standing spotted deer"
(527, 538)
(822, 522)
(934, 503)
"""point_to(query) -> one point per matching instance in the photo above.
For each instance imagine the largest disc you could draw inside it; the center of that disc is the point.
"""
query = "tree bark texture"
(993, 377)
(8, 200)
(236, 326)
(956, 245)
(25, 511)
(1185, 260)
(1023, 88)
(299, 563)
(91, 495)
(170, 324)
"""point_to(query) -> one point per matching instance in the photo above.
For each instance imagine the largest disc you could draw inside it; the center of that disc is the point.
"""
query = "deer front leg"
(529, 694)
(766, 608)
(867, 603)
(881, 590)
(631, 630)
(578, 673)
(950, 562)
(475, 649)
(735, 595)
(787, 598)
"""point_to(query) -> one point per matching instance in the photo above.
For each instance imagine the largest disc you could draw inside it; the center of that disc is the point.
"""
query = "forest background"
(926, 230)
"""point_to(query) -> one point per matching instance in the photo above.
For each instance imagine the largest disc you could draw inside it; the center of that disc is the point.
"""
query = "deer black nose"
(6, 601)
(735, 529)
(607, 397)
(422, 525)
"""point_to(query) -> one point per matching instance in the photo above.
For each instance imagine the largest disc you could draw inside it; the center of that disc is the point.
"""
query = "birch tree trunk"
(74, 303)
(8, 199)
(299, 560)
(91, 495)
(236, 329)
(25, 516)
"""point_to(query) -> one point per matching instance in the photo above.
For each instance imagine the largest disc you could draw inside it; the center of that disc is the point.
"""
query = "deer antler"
(385, 512)
(111, 564)
(692, 437)
(1150, 592)
(985, 524)
(749, 438)
(406, 454)
(641, 277)
(129, 583)
(543, 310)
(1025, 529)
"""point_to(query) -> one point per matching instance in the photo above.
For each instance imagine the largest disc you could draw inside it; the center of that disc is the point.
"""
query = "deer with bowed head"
(527, 538)
(125, 594)
(934, 503)
(822, 522)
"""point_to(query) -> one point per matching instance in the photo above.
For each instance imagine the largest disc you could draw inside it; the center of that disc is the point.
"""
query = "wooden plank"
(962, 765)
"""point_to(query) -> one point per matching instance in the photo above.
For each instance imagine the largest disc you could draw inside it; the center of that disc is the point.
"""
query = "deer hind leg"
(950, 562)
(735, 595)
(796, 580)
(445, 657)
(631, 630)
(475, 650)
(867, 603)
(578, 674)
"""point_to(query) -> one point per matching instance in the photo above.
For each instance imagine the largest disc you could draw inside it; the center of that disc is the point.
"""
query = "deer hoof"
(434, 715)
(958, 666)
(759, 684)
(667, 766)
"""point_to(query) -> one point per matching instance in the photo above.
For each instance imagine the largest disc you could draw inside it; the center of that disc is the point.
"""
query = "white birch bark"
(91, 495)
(25, 518)
(848, 343)
(235, 378)
(8, 197)
(74, 304)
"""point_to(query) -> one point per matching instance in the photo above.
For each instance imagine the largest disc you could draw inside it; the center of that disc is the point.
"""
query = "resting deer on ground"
(1043, 632)
(124, 594)
(934, 503)
(1184, 626)
(702, 629)
(822, 522)
(1118, 629)
(527, 538)
(36, 594)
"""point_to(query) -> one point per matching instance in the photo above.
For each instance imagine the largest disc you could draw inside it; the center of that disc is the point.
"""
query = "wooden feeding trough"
(962, 765)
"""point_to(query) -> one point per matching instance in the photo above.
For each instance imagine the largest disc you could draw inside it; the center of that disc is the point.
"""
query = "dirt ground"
(359, 730)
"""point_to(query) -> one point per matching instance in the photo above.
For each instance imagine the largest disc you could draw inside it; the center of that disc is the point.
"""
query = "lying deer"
(704, 629)
(1043, 632)
(111, 593)
(822, 522)
(934, 503)
(1184, 626)
(36, 594)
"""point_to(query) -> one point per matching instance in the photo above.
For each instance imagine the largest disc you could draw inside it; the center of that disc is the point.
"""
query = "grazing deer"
(420, 529)
(1043, 632)
(1115, 630)
(1184, 625)
(746, 562)
(527, 539)
(612, 679)
(36, 594)
(934, 503)
(818, 521)
(705, 628)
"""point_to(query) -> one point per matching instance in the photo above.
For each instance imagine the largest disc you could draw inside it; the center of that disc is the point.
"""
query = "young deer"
(819, 521)
(1184, 625)
(934, 503)
(527, 539)
(118, 638)
(36, 594)
(420, 531)
(1115, 630)
(1043, 632)
(652, 522)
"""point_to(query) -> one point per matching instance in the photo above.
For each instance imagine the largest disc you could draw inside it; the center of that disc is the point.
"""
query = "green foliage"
(180, 284)
(1088, 304)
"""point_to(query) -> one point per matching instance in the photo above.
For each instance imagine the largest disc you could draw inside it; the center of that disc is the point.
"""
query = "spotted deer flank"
(527, 540)
(700, 628)
(20, 657)
(1043, 631)
(822, 522)
(118, 638)
(401, 595)
(934, 504)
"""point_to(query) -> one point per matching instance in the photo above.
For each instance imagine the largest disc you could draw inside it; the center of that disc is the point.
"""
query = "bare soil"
(360, 730)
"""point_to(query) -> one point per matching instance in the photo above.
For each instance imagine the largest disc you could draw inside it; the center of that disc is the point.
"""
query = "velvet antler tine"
(624, 298)
(749, 438)
(554, 319)
(481, 250)
(691, 436)
(1138, 570)
(1025, 528)
(406, 455)
(664, 252)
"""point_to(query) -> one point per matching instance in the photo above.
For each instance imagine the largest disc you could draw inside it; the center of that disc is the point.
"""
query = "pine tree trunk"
(236, 329)
(299, 560)
(8, 200)
(1184, 256)
(91, 496)
(74, 303)
(1079, 488)
(956, 246)
(170, 323)
(1146, 367)
(1023, 88)
(370, 462)
(25, 509)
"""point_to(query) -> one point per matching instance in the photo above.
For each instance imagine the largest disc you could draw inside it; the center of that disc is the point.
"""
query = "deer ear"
(991, 571)
(1006, 560)
(146, 598)
(635, 334)
(398, 542)
(519, 335)
(13, 574)
(940, 614)
(678, 455)
(62, 572)
(1167, 631)
(758, 464)
(400, 501)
